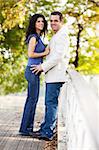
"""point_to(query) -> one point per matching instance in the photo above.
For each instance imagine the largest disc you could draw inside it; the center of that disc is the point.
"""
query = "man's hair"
(58, 13)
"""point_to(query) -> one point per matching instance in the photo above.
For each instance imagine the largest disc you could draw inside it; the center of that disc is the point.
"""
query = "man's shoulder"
(62, 35)
(63, 31)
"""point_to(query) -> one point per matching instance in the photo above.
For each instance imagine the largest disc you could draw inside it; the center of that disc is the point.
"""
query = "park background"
(81, 17)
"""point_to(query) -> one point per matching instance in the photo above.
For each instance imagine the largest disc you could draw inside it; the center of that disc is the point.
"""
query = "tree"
(85, 14)
(14, 19)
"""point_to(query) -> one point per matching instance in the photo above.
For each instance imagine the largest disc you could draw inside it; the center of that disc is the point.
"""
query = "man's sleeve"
(60, 49)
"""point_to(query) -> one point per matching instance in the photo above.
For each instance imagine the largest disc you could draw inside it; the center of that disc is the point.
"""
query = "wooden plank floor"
(11, 108)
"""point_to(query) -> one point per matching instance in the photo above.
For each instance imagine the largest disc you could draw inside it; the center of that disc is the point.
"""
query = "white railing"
(78, 121)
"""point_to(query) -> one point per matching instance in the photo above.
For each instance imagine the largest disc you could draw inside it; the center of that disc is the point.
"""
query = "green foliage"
(14, 17)
(89, 65)
(12, 72)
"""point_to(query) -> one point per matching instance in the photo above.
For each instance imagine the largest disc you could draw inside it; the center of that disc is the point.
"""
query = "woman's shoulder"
(32, 35)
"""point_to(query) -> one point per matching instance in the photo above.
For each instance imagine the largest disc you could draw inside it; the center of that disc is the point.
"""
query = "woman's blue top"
(39, 48)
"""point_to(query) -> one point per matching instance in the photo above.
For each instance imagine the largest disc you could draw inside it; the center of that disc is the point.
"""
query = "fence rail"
(78, 115)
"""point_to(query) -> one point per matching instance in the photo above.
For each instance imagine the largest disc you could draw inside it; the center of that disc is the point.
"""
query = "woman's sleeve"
(30, 36)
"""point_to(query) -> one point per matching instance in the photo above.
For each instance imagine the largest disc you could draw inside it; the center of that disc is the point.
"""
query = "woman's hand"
(47, 51)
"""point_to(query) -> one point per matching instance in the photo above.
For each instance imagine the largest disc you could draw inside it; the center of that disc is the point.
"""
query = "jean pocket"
(30, 77)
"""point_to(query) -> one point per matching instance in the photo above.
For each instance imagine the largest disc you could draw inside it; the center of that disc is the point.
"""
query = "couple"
(54, 67)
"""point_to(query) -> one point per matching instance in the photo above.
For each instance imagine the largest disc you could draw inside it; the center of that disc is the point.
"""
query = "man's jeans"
(31, 101)
(51, 104)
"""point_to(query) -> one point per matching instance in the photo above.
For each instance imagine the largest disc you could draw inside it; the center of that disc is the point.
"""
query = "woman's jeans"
(31, 101)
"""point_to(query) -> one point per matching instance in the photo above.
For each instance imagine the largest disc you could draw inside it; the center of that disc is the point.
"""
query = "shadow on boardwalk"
(11, 108)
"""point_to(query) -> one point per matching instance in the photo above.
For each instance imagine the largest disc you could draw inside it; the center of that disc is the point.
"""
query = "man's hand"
(36, 69)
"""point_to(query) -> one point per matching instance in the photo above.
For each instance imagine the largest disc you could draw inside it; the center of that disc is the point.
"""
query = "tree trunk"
(80, 28)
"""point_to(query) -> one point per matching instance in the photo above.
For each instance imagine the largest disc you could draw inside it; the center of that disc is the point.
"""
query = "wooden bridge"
(11, 108)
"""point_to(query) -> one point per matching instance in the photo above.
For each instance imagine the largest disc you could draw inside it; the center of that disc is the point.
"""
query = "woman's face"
(39, 25)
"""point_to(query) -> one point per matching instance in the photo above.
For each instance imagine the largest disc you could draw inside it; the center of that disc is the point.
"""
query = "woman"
(36, 52)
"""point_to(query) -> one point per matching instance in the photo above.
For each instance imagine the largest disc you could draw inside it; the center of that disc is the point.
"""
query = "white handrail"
(79, 111)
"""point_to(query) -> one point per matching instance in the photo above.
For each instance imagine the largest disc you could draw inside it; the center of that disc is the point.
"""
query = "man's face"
(55, 22)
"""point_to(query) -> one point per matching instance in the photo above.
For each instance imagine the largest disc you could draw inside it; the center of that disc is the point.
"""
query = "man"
(55, 74)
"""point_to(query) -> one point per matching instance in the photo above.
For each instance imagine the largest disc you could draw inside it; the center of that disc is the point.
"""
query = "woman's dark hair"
(58, 13)
(31, 28)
